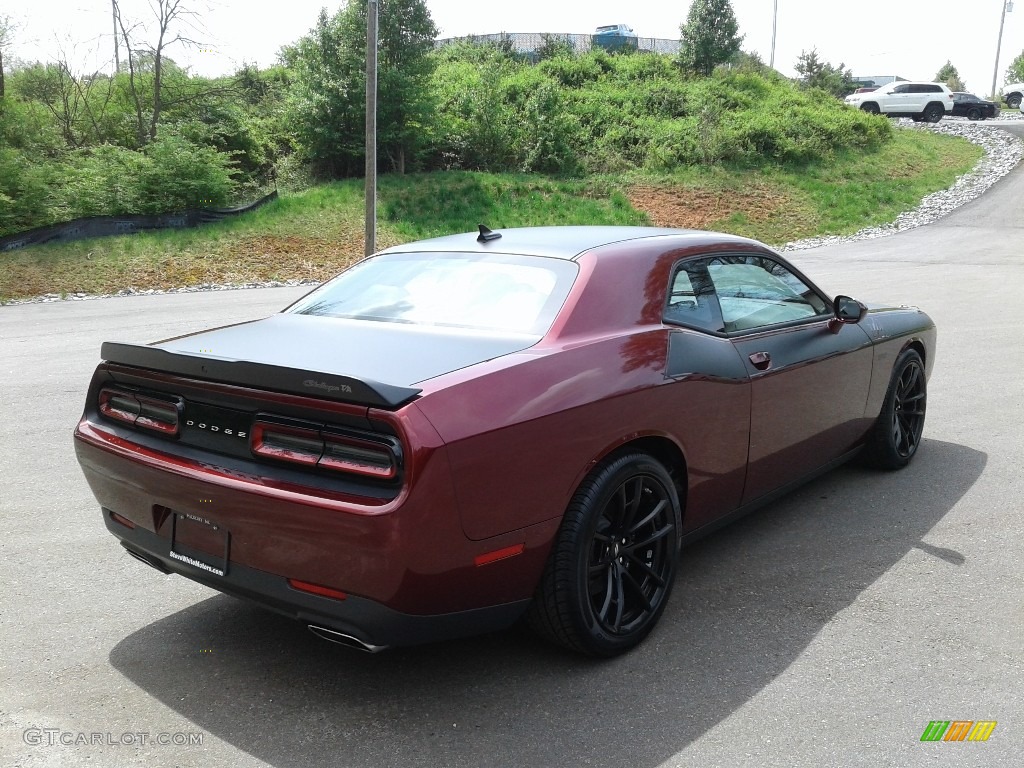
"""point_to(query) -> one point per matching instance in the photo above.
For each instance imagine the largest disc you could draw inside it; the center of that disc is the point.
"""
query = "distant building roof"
(876, 80)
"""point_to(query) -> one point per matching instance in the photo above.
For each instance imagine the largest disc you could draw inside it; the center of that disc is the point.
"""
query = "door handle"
(761, 360)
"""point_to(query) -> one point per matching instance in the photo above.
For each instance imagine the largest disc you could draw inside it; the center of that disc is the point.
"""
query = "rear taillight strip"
(323, 448)
(294, 444)
(141, 410)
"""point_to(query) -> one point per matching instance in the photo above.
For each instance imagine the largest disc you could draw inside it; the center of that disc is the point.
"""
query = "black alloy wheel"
(933, 113)
(611, 570)
(974, 113)
(897, 433)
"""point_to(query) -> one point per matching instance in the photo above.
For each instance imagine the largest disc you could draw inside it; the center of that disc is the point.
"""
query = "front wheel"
(897, 432)
(611, 569)
(870, 107)
(933, 113)
(1013, 100)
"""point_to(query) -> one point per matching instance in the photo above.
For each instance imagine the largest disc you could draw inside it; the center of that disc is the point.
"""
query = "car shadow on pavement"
(747, 602)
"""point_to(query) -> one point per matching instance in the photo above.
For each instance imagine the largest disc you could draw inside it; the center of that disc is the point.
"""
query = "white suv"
(920, 101)
(1013, 95)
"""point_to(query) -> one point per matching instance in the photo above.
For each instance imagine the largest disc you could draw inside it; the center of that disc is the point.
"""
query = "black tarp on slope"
(103, 226)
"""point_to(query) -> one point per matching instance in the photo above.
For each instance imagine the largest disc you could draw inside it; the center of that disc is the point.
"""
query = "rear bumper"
(372, 624)
(408, 572)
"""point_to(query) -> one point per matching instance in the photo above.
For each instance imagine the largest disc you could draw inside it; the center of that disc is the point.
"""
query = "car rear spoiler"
(294, 381)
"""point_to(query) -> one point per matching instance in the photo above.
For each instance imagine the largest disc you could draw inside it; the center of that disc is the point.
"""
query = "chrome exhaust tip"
(340, 638)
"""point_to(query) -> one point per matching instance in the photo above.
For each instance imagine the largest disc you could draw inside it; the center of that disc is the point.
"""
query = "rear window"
(491, 292)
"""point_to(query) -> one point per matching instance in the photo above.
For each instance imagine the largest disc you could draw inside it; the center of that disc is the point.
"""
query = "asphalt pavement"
(828, 629)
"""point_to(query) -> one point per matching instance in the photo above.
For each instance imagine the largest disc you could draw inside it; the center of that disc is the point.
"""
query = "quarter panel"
(521, 439)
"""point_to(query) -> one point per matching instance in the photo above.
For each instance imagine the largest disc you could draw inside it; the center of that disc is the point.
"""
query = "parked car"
(461, 432)
(866, 89)
(973, 108)
(916, 100)
(615, 37)
(1013, 94)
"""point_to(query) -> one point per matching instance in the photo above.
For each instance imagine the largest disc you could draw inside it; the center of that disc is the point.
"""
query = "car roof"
(562, 242)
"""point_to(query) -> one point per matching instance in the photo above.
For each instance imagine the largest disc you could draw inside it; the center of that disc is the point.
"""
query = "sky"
(909, 38)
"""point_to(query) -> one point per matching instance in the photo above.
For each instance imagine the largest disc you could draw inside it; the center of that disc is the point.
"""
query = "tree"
(169, 15)
(1015, 72)
(63, 94)
(709, 36)
(6, 32)
(948, 75)
(328, 106)
(816, 73)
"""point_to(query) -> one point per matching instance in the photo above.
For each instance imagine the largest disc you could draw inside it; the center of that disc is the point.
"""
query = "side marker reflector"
(316, 589)
(499, 554)
(122, 520)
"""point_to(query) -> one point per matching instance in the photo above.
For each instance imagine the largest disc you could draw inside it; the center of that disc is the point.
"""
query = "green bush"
(172, 174)
(103, 180)
(25, 185)
(181, 175)
(601, 113)
(576, 71)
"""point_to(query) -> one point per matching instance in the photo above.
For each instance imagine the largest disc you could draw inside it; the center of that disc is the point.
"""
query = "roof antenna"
(486, 235)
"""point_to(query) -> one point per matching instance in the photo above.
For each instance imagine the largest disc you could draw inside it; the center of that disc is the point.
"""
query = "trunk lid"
(360, 361)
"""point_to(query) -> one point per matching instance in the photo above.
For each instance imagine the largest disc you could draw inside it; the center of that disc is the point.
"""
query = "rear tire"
(896, 435)
(933, 113)
(610, 571)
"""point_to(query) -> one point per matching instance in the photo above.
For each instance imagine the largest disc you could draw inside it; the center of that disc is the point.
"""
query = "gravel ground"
(1002, 154)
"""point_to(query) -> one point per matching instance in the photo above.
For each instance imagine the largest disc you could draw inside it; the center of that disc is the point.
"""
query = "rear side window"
(692, 299)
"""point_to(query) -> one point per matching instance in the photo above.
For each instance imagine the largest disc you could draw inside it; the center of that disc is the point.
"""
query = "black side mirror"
(847, 310)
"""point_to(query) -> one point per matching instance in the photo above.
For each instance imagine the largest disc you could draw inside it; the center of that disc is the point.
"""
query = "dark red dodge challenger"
(463, 432)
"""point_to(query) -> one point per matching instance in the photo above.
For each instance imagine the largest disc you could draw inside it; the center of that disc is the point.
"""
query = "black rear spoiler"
(294, 381)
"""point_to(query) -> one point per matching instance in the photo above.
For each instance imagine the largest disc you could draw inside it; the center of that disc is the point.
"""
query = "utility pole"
(1007, 7)
(117, 51)
(371, 128)
(775, 19)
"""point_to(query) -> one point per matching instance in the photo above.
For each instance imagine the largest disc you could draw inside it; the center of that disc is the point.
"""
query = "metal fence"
(528, 44)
